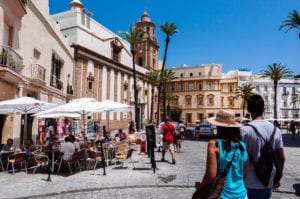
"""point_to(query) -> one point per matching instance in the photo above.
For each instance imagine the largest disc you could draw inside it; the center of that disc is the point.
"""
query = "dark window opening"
(140, 61)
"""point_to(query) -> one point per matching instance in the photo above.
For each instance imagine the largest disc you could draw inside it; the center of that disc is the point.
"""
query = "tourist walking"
(256, 189)
(181, 129)
(293, 127)
(168, 131)
(226, 148)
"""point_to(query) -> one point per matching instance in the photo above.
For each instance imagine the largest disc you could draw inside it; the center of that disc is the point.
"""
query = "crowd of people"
(234, 141)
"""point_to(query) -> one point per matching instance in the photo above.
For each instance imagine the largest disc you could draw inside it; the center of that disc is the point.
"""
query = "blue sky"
(234, 33)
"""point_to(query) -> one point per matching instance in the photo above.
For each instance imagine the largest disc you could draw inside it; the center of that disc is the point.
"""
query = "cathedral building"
(103, 63)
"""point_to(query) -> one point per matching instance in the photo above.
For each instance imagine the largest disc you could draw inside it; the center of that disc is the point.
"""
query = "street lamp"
(50, 144)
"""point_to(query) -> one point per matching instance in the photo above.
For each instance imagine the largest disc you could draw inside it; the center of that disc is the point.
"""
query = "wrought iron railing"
(11, 59)
(38, 71)
(56, 82)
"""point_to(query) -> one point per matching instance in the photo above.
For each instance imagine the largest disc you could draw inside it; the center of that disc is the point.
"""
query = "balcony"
(56, 83)
(38, 72)
(18, 6)
(11, 59)
(70, 90)
(10, 65)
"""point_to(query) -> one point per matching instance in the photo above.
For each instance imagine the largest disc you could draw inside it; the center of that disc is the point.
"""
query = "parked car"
(205, 130)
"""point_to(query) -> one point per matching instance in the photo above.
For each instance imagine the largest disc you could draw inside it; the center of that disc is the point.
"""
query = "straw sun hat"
(224, 118)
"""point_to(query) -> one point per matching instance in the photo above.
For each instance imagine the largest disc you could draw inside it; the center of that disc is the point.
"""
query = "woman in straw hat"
(225, 148)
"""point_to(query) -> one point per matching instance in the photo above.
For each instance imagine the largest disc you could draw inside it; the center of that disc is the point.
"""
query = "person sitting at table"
(29, 148)
(67, 149)
(75, 142)
(101, 137)
(9, 146)
(120, 136)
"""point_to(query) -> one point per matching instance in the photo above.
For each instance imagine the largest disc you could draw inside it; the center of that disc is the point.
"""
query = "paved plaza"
(169, 181)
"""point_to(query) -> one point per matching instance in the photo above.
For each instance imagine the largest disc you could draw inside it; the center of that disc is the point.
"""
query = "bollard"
(143, 143)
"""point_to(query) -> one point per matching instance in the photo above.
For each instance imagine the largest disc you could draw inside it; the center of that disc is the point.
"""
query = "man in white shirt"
(67, 149)
(255, 106)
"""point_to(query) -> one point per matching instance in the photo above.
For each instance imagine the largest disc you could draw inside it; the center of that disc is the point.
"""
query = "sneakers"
(173, 161)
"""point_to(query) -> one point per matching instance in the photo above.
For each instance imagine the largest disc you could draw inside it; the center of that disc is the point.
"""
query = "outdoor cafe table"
(109, 151)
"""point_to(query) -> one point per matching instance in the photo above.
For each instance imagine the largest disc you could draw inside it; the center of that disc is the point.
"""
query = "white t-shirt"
(68, 149)
(254, 144)
(181, 127)
(76, 145)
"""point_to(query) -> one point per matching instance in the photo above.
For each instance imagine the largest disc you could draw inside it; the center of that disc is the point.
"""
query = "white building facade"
(286, 90)
(103, 63)
(43, 56)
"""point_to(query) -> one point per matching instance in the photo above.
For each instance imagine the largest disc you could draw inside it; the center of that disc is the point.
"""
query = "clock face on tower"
(141, 51)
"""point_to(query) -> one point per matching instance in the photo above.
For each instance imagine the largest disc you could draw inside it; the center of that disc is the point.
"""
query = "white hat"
(224, 118)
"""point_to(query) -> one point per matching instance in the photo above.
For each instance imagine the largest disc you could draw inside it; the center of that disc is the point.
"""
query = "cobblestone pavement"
(168, 181)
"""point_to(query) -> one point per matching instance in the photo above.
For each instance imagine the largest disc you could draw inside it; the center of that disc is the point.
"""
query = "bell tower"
(147, 49)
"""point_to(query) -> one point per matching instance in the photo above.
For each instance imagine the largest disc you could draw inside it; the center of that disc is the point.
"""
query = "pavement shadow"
(290, 140)
(297, 189)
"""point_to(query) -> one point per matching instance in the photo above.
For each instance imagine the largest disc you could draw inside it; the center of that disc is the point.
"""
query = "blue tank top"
(234, 187)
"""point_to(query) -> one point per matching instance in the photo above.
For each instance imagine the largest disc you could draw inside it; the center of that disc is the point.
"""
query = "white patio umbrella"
(112, 106)
(24, 105)
(58, 115)
(80, 106)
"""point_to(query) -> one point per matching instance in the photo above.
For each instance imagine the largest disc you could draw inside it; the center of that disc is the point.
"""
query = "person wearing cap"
(226, 147)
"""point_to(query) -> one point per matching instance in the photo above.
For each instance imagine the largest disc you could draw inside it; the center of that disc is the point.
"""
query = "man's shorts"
(168, 145)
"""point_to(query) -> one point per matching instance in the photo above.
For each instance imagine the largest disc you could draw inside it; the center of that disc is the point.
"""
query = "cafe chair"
(126, 158)
(121, 149)
(94, 156)
(41, 160)
(75, 158)
(16, 159)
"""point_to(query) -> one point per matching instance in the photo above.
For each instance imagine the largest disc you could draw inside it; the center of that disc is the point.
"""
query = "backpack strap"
(172, 133)
(259, 135)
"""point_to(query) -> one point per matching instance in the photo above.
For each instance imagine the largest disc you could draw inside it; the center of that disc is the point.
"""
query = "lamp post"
(102, 157)
(49, 160)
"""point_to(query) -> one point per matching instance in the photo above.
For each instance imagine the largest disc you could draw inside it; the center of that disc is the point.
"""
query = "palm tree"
(167, 76)
(169, 98)
(153, 78)
(169, 29)
(134, 36)
(244, 92)
(292, 22)
(275, 72)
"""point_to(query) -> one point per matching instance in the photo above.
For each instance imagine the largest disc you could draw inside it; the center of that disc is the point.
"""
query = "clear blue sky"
(234, 33)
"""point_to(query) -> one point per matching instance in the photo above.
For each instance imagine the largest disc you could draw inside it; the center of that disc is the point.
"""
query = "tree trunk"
(158, 101)
(161, 74)
(275, 99)
(244, 105)
(164, 101)
(152, 101)
(135, 92)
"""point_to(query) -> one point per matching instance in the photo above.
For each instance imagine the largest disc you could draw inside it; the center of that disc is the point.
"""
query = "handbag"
(213, 190)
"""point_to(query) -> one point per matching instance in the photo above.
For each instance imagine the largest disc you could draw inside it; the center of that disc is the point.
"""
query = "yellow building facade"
(199, 92)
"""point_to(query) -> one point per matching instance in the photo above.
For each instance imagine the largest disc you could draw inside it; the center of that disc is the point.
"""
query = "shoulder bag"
(213, 190)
